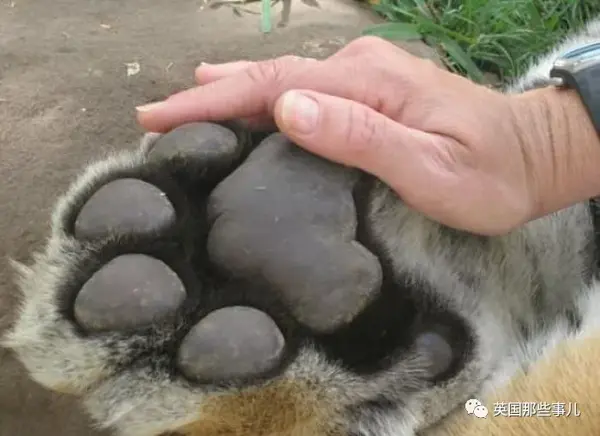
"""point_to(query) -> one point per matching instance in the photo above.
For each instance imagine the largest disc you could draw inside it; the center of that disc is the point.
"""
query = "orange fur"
(570, 374)
(281, 408)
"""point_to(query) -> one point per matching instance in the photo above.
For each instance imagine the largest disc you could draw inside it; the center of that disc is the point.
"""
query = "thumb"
(355, 135)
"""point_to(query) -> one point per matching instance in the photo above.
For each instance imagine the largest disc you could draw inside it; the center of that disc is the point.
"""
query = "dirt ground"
(66, 98)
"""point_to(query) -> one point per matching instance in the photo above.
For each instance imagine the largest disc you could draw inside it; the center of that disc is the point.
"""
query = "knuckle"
(368, 44)
(268, 71)
(273, 74)
(274, 69)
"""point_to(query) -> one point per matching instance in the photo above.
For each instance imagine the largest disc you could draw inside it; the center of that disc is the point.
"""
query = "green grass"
(477, 36)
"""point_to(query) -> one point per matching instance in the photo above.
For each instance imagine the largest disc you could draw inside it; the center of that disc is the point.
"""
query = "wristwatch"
(579, 69)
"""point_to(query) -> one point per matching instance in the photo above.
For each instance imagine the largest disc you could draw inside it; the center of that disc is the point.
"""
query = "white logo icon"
(474, 407)
(471, 405)
(481, 412)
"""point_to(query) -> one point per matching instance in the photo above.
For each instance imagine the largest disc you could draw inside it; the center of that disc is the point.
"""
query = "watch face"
(579, 58)
(581, 54)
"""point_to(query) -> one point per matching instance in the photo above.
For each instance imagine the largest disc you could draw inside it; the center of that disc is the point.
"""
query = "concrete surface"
(66, 98)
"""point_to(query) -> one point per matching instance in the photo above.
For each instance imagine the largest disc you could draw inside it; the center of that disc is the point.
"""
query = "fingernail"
(148, 107)
(201, 68)
(299, 112)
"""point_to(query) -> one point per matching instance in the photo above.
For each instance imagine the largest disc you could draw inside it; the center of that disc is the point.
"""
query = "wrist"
(560, 146)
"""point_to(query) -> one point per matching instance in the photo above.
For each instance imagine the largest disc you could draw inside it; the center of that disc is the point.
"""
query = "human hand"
(454, 150)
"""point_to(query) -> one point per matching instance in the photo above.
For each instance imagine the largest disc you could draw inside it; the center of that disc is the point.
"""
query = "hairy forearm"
(562, 145)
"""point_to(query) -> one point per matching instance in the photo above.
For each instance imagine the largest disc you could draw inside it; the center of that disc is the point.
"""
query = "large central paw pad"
(298, 232)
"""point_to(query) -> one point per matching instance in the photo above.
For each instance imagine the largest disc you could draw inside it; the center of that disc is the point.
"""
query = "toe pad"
(437, 350)
(197, 141)
(130, 291)
(124, 206)
(231, 342)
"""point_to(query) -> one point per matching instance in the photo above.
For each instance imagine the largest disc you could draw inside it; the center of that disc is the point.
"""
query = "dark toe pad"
(203, 142)
(130, 291)
(231, 342)
(437, 351)
(124, 206)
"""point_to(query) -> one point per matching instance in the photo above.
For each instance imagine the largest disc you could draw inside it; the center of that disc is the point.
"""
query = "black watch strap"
(586, 82)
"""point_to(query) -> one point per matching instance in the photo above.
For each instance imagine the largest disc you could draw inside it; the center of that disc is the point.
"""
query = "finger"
(253, 91)
(353, 134)
(207, 73)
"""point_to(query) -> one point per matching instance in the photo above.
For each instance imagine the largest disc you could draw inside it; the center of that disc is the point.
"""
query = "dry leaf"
(133, 68)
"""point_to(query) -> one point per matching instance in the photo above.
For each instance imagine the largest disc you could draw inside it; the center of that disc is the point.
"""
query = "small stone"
(130, 291)
(124, 206)
(231, 342)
